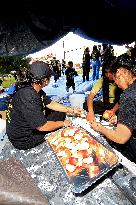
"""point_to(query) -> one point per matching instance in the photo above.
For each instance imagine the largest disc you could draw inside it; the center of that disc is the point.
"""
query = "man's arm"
(62, 108)
(59, 107)
(51, 125)
(115, 108)
(120, 135)
(90, 114)
(95, 89)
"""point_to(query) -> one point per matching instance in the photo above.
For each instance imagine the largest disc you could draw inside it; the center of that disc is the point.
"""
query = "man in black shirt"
(70, 74)
(31, 114)
(125, 133)
(86, 64)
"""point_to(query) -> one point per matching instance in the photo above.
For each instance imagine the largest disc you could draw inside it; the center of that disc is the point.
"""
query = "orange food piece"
(93, 170)
(92, 141)
(63, 160)
(83, 153)
(110, 158)
(73, 160)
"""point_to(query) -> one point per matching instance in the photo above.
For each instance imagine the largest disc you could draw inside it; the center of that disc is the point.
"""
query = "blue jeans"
(95, 68)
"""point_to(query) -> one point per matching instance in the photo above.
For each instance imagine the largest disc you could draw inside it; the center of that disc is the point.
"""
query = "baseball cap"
(39, 70)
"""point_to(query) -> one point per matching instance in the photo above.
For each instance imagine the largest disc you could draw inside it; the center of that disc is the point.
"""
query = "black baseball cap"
(39, 70)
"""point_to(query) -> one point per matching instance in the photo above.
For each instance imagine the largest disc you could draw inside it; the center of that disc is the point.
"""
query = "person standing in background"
(107, 52)
(95, 57)
(86, 64)
(55, 66)
(70, 74)
(63, 66)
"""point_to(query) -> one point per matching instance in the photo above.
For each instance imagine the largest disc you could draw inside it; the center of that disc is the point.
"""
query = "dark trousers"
(99, 107)
(56, 73)
(38, 135)
(70, 83)
(86, 74)
(52, 115)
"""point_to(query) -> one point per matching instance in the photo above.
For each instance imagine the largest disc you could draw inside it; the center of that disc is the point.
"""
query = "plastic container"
(77, 100)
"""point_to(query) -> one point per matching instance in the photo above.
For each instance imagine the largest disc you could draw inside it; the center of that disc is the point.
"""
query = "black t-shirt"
(95, 55)
(86, 60)
(25, 114)
(127, 116)
(70, 73)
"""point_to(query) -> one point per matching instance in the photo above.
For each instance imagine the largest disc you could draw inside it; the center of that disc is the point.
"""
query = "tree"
(10, 63)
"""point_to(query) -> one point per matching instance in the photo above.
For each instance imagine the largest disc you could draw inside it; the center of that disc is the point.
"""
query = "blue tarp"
(11, 89)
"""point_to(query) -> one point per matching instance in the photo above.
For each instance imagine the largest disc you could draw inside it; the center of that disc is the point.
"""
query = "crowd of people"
(31, 114)
(95, 59)
(92, 61)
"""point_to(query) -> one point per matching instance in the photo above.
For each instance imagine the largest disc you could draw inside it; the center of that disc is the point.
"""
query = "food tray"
(82, 158)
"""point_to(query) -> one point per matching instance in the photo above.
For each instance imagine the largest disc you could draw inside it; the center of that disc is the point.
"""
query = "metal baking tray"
(81, 157)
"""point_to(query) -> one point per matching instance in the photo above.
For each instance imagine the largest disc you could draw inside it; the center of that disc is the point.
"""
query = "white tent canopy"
(73, 45)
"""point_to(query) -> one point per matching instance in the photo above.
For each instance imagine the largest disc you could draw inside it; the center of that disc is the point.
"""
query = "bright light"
(74, 46)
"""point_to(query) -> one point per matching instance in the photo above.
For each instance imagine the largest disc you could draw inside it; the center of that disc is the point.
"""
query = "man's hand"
(108, 114)
(67, 123)
(113, 119)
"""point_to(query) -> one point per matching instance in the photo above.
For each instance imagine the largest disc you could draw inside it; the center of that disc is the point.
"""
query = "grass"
(7, 82)
(80, 71)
